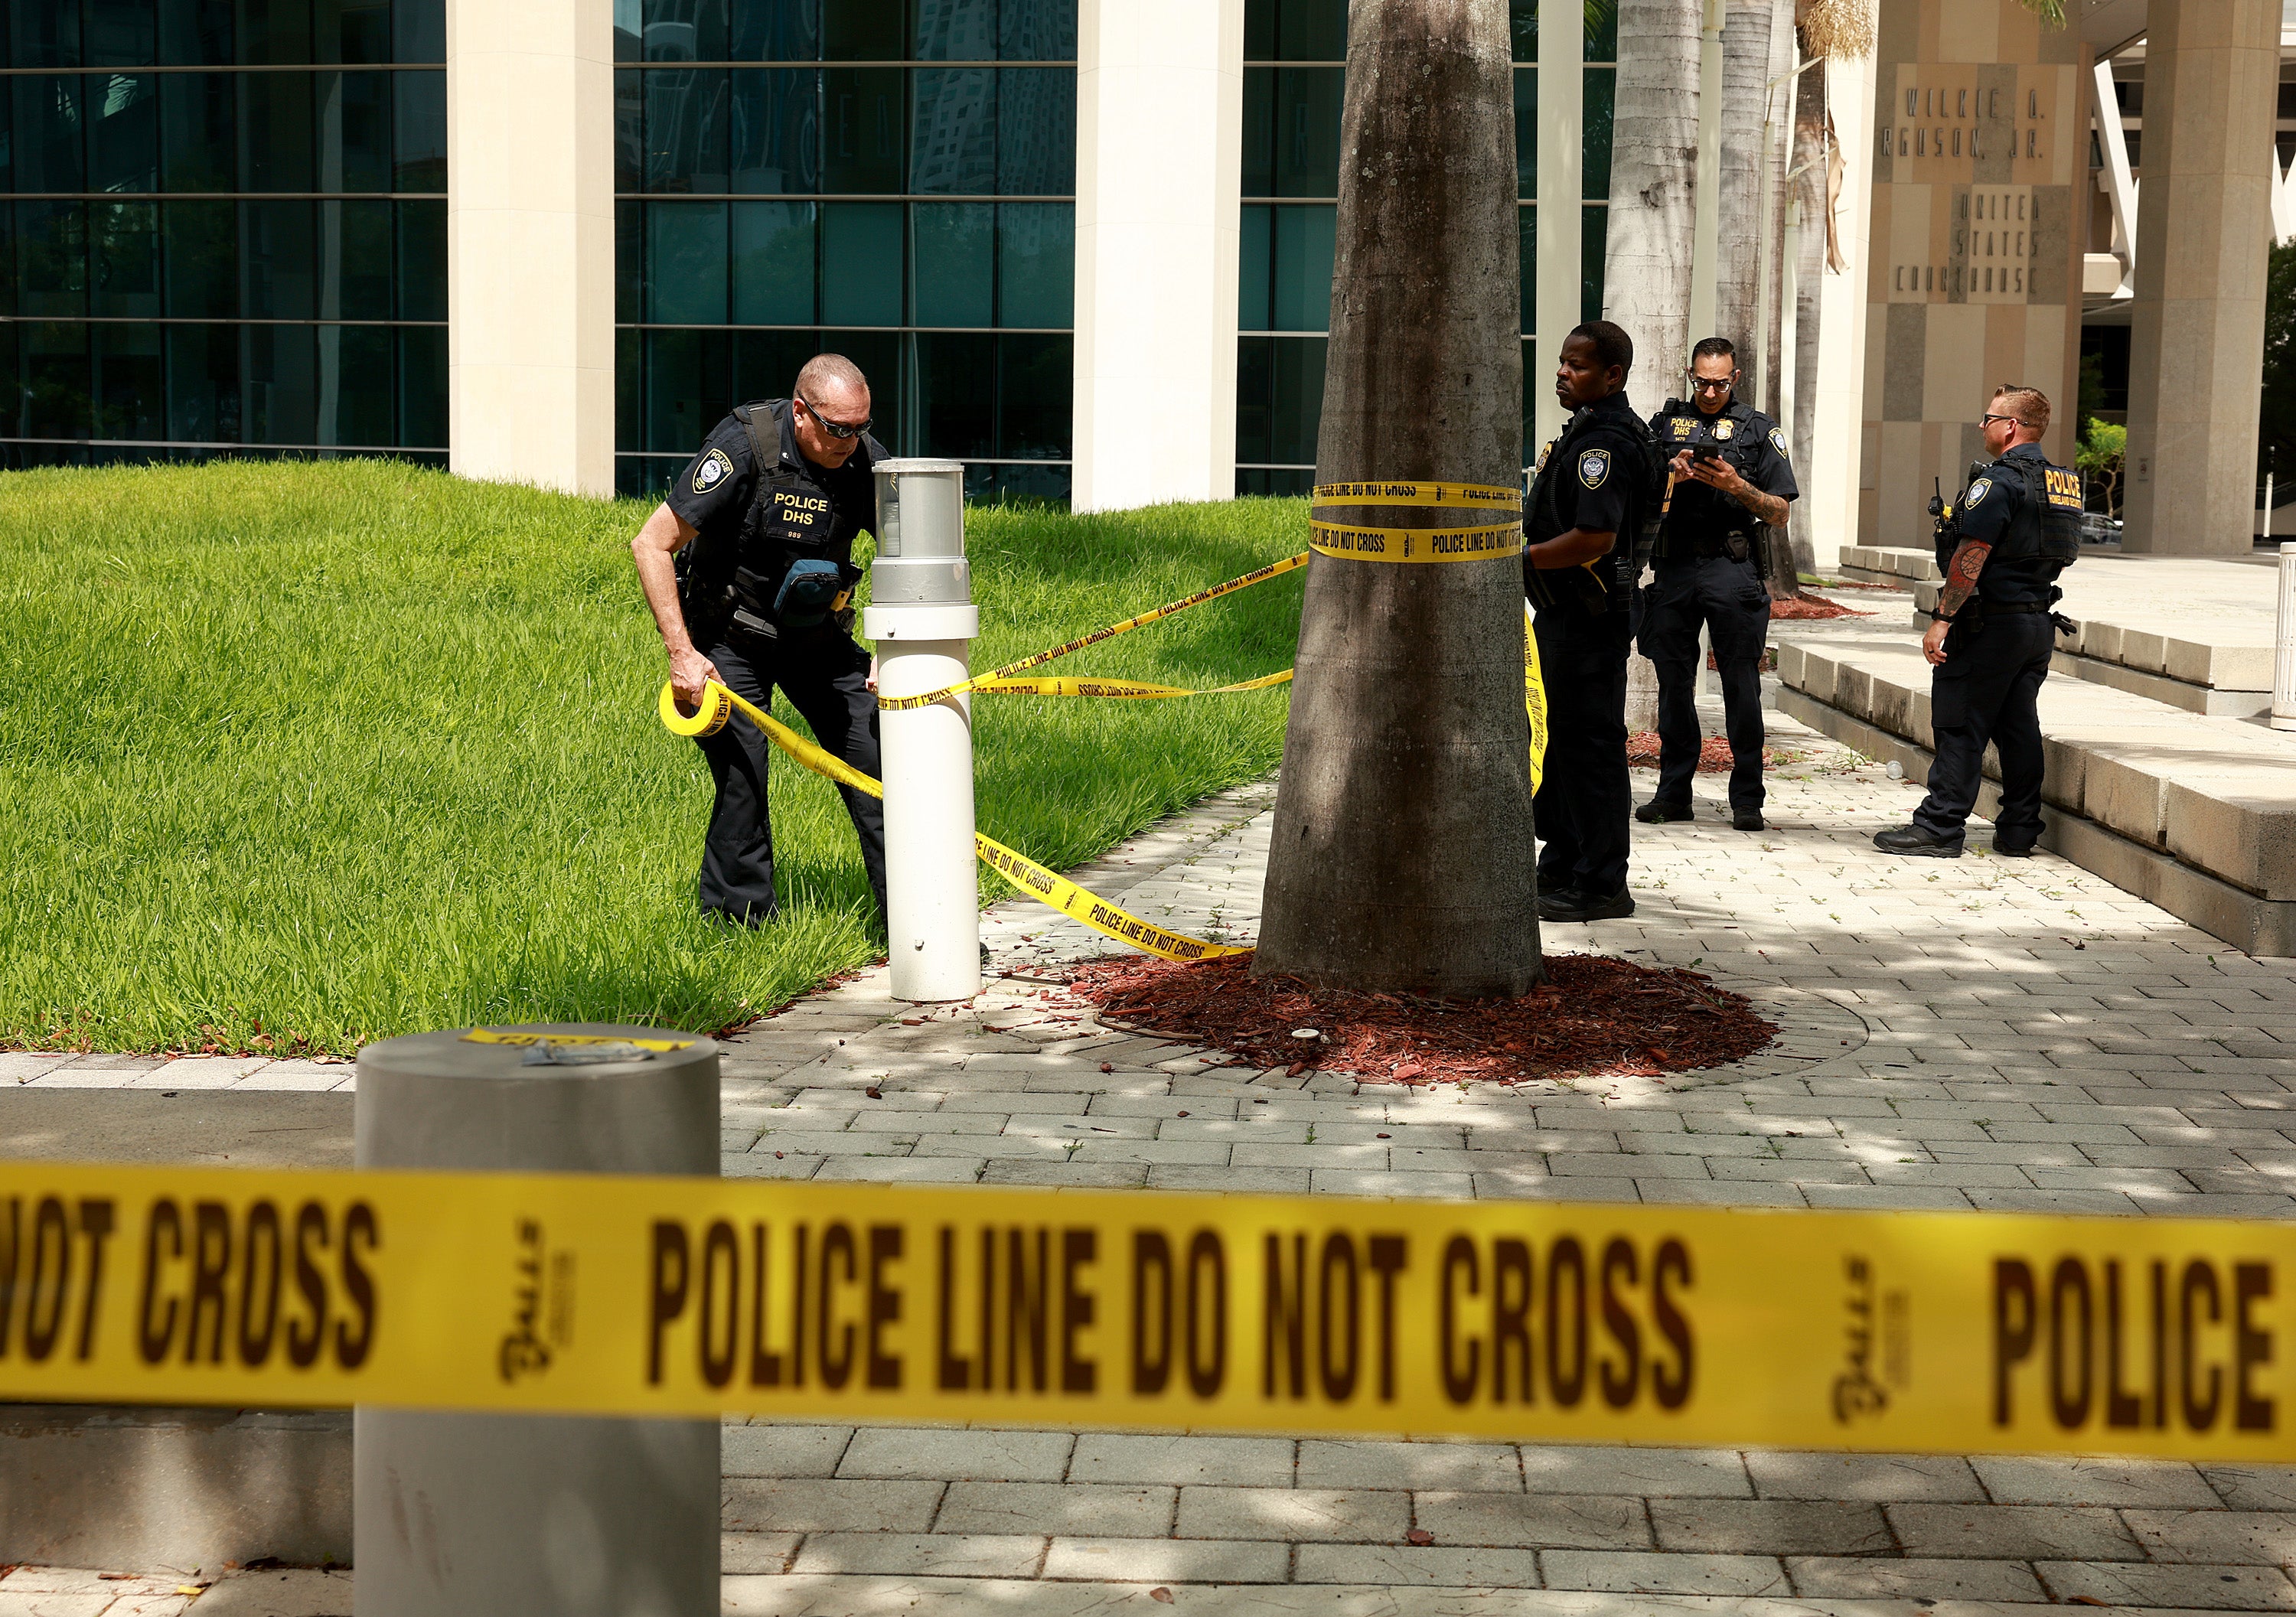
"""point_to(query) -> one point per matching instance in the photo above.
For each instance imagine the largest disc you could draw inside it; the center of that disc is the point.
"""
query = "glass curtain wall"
(223, 229)
(1295, 59)
(893, 180)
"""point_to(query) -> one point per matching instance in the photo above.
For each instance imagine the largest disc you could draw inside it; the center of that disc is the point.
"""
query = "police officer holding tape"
(1731, 480)
(1579, 530)
(770, 507)
(2000, 546)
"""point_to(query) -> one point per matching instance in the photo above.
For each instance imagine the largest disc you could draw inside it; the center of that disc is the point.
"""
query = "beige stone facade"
(1979, 158)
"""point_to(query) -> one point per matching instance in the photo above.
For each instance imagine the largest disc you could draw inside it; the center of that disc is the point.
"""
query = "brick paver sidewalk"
(1986, 1033)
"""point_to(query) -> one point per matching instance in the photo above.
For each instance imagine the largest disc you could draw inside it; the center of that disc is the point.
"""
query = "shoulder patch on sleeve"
(711, 470)
(1593, 467)
(1778, 442)
(1978, 490)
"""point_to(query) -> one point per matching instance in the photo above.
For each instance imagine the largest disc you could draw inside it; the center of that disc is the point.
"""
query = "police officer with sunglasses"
(747, 566)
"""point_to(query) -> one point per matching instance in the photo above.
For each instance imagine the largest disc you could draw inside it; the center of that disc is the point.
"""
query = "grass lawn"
(295, 756)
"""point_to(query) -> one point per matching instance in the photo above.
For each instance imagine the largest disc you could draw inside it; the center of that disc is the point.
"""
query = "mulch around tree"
(1713, 753)
(1593, 1017)
(1798, 609)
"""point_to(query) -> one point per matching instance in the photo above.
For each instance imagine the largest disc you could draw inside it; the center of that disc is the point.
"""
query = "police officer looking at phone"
(1579, 528)
(1731, 481)
(769, 508)
(2000, 546)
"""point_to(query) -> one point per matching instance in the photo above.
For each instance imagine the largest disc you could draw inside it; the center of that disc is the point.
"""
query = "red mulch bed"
(1594, 1017)
(1804, 608)
(1713, 753)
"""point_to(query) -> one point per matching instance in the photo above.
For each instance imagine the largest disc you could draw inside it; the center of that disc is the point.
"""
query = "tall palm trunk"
(1737, 279)
(1809, 188)
(1653, 164)
(1646, 257)
(1402, 852)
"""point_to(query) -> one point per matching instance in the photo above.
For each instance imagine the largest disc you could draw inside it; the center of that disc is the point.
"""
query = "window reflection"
(952, 269)
(687, 120)
(776, 131)
(773, 250)
(952, 131)
(861, 130)
(1036, 148)
(1036, 264)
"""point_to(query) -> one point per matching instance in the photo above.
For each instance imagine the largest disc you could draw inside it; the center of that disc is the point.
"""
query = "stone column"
(530, 242)
(1159, 175)
(2196, 349)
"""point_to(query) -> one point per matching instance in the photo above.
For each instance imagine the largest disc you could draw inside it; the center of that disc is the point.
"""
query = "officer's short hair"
(827, 368)
(1613, 346)
(2029, 406)
(1714, 348)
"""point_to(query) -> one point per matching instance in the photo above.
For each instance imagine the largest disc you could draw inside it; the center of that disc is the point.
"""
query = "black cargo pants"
(826, 678)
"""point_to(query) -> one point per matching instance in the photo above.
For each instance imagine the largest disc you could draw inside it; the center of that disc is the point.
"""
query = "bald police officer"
(1732, 479)
(771, 506)
(2014, 530)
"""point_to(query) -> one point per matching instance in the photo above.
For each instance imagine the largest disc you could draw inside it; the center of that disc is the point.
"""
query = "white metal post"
(2283, 661)
(921, 615)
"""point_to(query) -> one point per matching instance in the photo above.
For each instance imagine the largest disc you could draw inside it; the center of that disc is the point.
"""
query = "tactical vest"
(2044, 538)
(785, 571)
(1731, 529)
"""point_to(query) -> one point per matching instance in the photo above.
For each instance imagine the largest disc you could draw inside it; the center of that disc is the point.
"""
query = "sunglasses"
(1984, 422)
(1720, 384)
(835, 429)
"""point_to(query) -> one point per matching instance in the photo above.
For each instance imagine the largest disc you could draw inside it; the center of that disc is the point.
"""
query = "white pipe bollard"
(921, 615)
(2284, 660)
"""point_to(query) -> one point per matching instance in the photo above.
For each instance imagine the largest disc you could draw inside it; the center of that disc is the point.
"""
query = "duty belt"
(2024, 609)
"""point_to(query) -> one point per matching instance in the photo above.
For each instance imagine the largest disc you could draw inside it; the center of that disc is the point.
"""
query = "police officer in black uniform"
(771, 505)
(1579, 532)
(2000, 546)
(1731, 480)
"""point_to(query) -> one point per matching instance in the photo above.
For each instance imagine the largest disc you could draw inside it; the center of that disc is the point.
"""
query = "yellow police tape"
(1402, 493)
(1045, 885)
(1534, 699)
(1136, 689)
(1955, 1332)
(1258, 575)
(1496, 540)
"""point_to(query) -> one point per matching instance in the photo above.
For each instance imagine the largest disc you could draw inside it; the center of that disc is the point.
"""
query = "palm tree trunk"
(1402, 857)
(1810, 187)
(1647, 252)
(1653, 162)
(1745, 69)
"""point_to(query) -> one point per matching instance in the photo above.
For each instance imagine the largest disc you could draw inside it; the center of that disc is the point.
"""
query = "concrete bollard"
(2283, 660)
(921, 615)
(459, 1514)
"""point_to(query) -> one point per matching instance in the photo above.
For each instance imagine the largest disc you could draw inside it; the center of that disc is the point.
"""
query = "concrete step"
(84, 1485)
(2195, 814)
(1898, 568)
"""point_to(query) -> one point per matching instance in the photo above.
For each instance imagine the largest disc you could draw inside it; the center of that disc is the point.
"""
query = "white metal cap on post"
(921, 615)
(2284, 660)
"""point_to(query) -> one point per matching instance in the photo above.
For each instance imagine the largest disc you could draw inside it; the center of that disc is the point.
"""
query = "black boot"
(1915, 841)
(1657, 809)
(1747, 819)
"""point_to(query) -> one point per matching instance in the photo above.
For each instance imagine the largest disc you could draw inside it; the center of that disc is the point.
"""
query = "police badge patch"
(711, 470)
(1724, 431)
(1978, 490)
(1593, 466)
(1778, 442)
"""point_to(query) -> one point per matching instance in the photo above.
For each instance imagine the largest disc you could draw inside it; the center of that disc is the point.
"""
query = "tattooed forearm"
(1770, 508)
(1961, 576)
